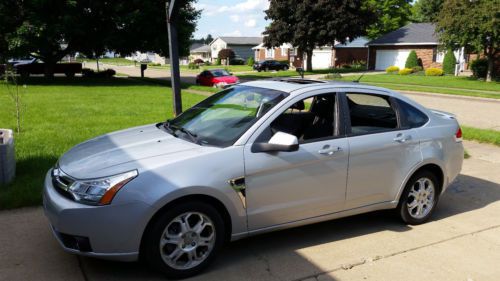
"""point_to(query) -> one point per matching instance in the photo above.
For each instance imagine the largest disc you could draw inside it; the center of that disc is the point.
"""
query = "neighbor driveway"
(462, 242)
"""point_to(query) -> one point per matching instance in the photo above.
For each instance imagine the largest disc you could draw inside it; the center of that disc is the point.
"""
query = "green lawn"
(434, 81)
(65, 112)
(230, 68)
(481, 135)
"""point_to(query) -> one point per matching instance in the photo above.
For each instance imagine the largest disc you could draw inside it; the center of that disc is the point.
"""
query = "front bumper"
(109, 232)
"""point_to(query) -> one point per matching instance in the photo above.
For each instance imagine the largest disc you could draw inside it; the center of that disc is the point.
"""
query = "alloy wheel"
(187, 240)
(421, 198)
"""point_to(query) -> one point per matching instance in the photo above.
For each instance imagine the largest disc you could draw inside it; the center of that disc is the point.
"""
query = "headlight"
(99, 191)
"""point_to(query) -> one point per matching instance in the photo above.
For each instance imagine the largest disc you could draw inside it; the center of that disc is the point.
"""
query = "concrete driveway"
(462, 242)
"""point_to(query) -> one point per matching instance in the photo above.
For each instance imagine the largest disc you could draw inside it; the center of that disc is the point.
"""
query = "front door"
(284, 187)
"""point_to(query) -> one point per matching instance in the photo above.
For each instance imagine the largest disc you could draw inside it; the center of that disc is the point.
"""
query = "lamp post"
(175, 77)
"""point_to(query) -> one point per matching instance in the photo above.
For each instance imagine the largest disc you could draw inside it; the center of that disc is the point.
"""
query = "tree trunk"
(491, 60)
(97, 62)
(309, 54)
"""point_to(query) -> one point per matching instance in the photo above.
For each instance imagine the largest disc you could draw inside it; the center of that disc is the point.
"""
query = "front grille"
(61, 183)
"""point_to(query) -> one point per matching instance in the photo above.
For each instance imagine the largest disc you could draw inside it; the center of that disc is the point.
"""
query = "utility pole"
(175, 76)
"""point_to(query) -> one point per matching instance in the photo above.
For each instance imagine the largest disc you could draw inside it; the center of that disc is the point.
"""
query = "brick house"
(394, 47)
(348, 53)
(281, 53)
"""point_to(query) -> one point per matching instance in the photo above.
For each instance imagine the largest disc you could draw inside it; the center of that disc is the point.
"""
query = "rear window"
(412, 117)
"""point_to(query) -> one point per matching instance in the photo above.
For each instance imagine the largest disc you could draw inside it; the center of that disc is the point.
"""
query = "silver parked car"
(257, 157)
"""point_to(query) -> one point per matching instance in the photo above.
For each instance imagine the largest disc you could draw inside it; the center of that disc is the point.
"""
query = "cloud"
(234, 18)
(233, 33)
(251, 23)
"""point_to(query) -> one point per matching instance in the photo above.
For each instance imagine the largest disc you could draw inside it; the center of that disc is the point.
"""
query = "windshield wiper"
(170, 128)
(191, 135)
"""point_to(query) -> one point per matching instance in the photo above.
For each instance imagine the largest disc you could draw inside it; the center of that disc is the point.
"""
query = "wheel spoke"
(413, 204)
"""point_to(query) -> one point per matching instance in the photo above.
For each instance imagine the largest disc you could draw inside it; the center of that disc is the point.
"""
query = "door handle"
(401, 138)
(329, 151)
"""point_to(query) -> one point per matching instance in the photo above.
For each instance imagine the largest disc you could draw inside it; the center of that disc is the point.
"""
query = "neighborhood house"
(242, 46)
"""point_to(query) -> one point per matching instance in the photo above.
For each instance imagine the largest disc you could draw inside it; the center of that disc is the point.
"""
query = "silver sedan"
(257, 157)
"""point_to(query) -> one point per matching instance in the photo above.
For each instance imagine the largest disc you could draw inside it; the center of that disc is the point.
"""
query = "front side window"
(222, 118)
(311, 119)
(370, 113)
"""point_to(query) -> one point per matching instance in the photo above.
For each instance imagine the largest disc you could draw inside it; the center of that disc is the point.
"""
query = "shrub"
(359, 64)
(392, 69)
(250, 61)
(218, 61)
(405, 71)
(193, 65)
(412, 60)
(236, 61)
(433, 72)
(479, 68)
(449, 62)
(199, 61)
(207, 63)
(417, 68)
(89, 73)
(346, 66)
(154, 64)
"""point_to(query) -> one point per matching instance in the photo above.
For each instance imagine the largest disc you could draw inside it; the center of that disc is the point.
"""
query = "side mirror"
(279, 142)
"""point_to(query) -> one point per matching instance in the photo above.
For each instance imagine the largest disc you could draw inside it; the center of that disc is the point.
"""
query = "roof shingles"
(414, 33)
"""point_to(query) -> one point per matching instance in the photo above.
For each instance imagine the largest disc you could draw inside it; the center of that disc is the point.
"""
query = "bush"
(207, 63)
(433, 72)
(359, 64)
(236, 61)
(392, 69)
(479, 68)
(449, 62)
(193, 65)
(89, 73)
(199, 61)
(417, 68)
(412, 60)
(218, 61)
(405, 71)
(250, 61)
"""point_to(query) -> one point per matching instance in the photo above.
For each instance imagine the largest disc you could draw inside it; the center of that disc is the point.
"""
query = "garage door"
(386, 58)
(321, 59)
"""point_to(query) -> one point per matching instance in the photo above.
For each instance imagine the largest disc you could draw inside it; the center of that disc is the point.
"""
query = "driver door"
(284, 187)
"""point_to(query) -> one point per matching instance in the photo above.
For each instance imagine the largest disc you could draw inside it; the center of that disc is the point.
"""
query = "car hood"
(123, 150)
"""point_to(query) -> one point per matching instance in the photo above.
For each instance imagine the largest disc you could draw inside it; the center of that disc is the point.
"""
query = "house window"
(284, 52)
(269, 53)
(437, 56)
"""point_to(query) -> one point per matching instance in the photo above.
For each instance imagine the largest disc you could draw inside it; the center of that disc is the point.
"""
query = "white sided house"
(242, 46)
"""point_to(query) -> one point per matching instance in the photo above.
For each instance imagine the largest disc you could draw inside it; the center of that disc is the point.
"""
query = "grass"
(184, 86)
(481, 135)
(64, 112)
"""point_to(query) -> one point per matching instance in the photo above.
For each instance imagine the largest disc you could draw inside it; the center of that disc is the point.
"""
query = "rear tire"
(419, 198)
(184, 240)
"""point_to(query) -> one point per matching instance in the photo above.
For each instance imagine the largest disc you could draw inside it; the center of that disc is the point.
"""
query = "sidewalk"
(462, 242)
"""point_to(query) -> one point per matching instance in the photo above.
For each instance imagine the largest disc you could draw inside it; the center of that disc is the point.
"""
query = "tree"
(226, 54)
(51, 30)
(427, 10)
(412, 60)
(209, 39)
(10, 18)
(312, 23)
(449, 62)
(473, 25)
(390, 14)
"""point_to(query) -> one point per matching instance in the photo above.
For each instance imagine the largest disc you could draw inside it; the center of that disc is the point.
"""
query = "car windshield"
(220, 73)
(222, 118)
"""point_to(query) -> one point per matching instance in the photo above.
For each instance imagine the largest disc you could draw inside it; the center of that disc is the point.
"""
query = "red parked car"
(216, 78)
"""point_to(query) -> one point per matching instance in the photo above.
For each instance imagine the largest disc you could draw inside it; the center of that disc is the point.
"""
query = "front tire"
(184, 240)
(419, 198)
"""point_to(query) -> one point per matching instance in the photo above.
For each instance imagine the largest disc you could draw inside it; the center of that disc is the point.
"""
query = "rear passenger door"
(382, 149)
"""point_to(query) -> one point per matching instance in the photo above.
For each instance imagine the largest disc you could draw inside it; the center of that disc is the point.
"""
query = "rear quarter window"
(412, 117)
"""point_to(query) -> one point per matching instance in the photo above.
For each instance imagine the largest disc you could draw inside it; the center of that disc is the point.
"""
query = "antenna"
(359, 78)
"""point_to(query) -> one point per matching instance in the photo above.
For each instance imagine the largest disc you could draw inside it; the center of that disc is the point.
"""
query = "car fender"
(427, 161)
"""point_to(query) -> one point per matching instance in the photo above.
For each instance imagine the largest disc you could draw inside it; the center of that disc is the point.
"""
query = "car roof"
(294, 85)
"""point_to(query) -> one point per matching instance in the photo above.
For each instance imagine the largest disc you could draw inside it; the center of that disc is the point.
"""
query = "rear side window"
(412, 117)
(370, 114)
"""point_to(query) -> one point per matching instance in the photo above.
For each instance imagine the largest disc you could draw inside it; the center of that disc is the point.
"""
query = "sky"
(231, 17)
